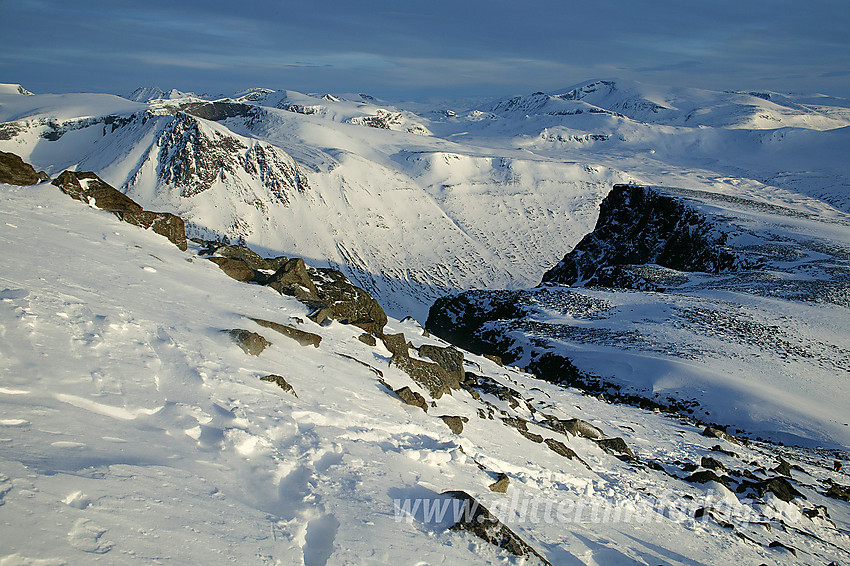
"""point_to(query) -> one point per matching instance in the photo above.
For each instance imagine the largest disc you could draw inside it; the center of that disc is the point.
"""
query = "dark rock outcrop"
(411, 397)
(430, 376)
(522, 427)
(712, 464)
(454, 423)
(705, 476)
(638, 226)
(301, 336)
(165, 224)
(281, 382)
(368, 339)
(448, 358)
(235, 268)
(483, 524)
(348, 303)
(616, 446)
(501, 484)
(561, 448)
(396, 344)
(575, 427)
(91, 189)
(292, 279)
(15, 171)
(250, 342)
(838, 491)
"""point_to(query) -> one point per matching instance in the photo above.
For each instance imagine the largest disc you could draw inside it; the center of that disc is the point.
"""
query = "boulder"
(476, 519)
(396, 344)
(301, 336)
(411, 397)
(454, 423)
(91, 189)
(522, 427)
(250, 342)
(15, 171)
(575, 427)
(281, 382)
(448, 358)
(784, 468)
(430, 376)
(501, 484)
(838, 491)
(235, 268)
(705, 476)
(561, 448)
(348, 303)
(368, 339)
(714, 432)
(616, 446)
(712, 464)
(292, 279)
(163, 223)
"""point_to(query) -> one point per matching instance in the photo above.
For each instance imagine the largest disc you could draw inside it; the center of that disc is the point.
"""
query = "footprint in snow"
(88, 537)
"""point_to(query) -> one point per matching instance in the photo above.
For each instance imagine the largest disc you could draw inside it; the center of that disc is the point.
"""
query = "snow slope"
(135, 431)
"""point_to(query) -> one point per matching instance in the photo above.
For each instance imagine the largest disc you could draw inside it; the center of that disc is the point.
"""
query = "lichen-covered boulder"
(91, 189)
(448, 358)
(163, 223)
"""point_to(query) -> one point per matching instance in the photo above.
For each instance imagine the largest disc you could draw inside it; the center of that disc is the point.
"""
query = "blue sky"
(424, 49)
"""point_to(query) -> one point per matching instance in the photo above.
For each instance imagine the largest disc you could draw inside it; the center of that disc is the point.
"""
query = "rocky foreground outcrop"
(87, 187)
(15, 171)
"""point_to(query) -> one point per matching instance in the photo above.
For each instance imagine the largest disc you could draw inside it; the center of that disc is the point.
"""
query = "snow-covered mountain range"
(414, 206)
(674, 263)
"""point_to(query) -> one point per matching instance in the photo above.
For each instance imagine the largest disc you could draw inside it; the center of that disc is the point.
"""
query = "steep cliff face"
(192, 156)
(639, 226)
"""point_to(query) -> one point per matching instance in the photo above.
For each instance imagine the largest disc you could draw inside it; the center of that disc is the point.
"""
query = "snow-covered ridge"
(501, 195)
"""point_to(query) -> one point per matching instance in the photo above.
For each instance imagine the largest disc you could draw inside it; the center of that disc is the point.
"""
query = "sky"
(423, 49)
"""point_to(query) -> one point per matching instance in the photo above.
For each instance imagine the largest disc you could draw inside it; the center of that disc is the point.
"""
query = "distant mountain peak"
(13, 88)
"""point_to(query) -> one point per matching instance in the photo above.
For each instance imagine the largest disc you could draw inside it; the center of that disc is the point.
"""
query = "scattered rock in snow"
(235, 268)
(292, 279)
(163, 223)
(712, 464)
(448, 358)
(494, 358)
(522, 427)
(575, 427)
(714, 432)
(281, 382)
(616, 446)
(560, 448)
(301, 336)
(784, 468)
(396, 343)
(838, 491)
(779, 486)
(501, 484)
(480, 522)
(777, 544)
(429, 375)
(91, 189)
(411, 397)
(15, 171)
(250, 342)
(454, 423)
(705, 476)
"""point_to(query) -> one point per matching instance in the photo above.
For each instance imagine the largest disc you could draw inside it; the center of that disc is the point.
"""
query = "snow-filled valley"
(160, 407)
